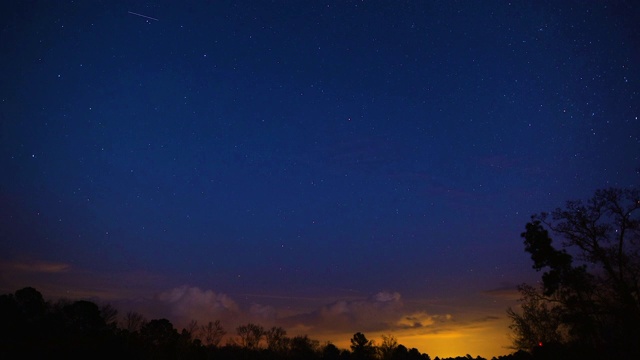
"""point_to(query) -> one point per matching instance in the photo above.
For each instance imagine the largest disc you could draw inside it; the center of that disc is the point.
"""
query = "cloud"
(264, 313)
(36, 267)
(186, 303)
(335, 321)
(56, 280)
(421, 320)
(506, 291)
(374, 313)
(383, 311)
(385, 297)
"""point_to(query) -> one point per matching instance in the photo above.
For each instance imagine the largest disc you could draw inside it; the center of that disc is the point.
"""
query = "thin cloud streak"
(35, 266)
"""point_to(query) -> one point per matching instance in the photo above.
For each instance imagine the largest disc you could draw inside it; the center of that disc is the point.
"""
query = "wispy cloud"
(421, 320)
(191, 303)
(264, 313)
(506, 292)
(57, 280)
(35, 266)
(383, 312)
(373, 313)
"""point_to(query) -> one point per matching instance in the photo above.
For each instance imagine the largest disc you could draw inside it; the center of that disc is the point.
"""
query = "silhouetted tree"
(161, 338)
(400, 352)
(188, 346)
(387, 347)
(277, 340)
(110, 315)
(159, 332)
(361, 347)
(539, 320)
(83, 330)
(250, 335)
(23, 325)
(597, 300)
(345, 354)
(84, 317)
(330, 352)
(78, 330)
(191, 328)
(414, 354)
(212, 333)
(31, 304)
(518, 355)
(303, 348)
(133, 321)
(9, 317)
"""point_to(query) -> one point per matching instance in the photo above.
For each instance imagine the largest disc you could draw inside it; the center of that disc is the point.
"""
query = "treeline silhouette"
(33, 328)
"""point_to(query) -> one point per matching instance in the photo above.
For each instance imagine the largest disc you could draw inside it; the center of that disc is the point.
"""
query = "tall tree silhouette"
(277, 339)
(161, 338)
(330, 352)
(592, 284)
(361, 347)
(303, 348)
(31, 303)
(212, 333)
(250, 335)
(133, 321)
(387, 347)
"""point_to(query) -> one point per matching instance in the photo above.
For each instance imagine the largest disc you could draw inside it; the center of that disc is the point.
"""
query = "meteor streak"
(144, 16)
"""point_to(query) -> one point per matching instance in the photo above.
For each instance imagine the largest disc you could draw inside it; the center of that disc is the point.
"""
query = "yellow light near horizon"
(455, 344)
(485, 341)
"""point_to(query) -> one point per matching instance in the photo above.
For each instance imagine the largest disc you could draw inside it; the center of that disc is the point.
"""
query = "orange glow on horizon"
(486, 341)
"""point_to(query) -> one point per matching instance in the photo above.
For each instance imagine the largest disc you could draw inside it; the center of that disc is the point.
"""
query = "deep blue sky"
(306, 163)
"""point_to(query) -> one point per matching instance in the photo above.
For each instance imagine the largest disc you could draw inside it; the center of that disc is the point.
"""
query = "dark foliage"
(32, 328)
(588, 305)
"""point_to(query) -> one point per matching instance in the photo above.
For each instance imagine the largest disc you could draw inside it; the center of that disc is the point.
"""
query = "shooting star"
(144, 16)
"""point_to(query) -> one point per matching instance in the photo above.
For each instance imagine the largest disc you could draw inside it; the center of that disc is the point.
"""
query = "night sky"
(328, 167)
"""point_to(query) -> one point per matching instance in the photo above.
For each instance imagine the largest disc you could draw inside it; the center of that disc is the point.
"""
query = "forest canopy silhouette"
(31, 327)
(586, 307)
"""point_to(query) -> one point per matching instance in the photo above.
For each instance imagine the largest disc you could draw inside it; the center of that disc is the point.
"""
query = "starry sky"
(324, 166)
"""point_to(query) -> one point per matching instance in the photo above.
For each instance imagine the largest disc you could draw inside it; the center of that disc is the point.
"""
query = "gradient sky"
(326, 166)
